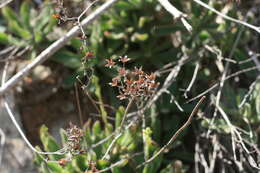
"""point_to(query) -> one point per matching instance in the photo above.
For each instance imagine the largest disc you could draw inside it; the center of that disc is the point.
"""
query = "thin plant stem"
(177, 133)
(119, 130)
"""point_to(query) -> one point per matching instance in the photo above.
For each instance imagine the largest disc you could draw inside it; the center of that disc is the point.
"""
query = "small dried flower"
(151, 77)
(110, 63)
(114, 82)
(124, 59)
(122, 72)
(56, 16)
(89, 55)
(121, 97)
(138, 71)
(129, 82)
(62, 162)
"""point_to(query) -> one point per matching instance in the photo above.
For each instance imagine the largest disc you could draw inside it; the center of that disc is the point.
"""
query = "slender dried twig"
(82, 14)
(12, 117)
(251, 89)
(48, 52)
(177, 133)
(118, 132)
(256, 28)
(227, 78)
(192, 80)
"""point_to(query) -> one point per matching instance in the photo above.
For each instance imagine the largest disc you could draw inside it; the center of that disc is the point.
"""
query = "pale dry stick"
(54, 47)
(194, 76)
(255, 28)
(177, 133)
(212, 160)
(12, 117)
(118, 132)
(219, 55)
(5, 3)
(249, 59)
(256, 61)
(176, 13)
(2, 145)
(173, 99)
(227, 78)
(197, 157)
(251, 89)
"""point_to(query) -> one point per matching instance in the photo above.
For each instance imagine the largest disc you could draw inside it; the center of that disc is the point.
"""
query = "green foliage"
(145, 32)
(127, 144)
(28, 28)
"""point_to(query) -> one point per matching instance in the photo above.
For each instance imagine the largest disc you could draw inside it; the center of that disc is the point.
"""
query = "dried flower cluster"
(132, 84)
(75, 136)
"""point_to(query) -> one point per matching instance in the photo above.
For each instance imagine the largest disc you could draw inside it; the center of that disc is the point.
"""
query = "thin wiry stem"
(192, 80)
(227, 78)
(256, 28)
(12, 117)
(119, 130)
(184, 126)
(81, 15)
(251, 89)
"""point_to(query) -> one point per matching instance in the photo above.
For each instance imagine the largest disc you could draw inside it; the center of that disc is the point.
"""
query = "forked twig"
(184, 126)
(176, 13)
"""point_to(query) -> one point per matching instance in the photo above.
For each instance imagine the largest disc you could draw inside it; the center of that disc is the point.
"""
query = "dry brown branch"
(177, 133)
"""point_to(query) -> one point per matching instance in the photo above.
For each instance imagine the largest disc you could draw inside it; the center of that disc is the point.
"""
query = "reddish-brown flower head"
(56, 16)
(110, 63)
(122, 72)
(114, 82)
(124, 59)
